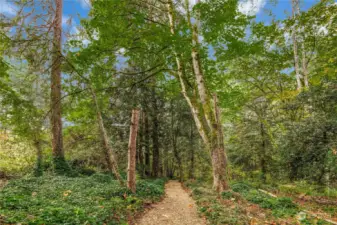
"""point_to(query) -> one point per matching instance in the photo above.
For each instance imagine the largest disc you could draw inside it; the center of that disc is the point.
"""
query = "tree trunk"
(155, 141)
(304, 66)
(263, 153)
(219, 158)
(60, 164)
(191, 170)
(39, 159)
(132, 151)
(197, 68)
(295, 48)
(174, 139)
(213, 133)
(109, 157)
(147, 145)
(177, 157)
(141, 139)
(166, 161)
(296, 9)
(194, 110)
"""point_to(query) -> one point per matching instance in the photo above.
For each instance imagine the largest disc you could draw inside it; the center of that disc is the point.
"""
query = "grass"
(97, 199)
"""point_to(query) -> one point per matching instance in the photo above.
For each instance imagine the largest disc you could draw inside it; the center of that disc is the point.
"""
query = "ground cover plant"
(97, 199)
(244, 204)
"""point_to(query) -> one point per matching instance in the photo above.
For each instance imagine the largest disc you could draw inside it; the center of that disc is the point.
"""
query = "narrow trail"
(177, 208)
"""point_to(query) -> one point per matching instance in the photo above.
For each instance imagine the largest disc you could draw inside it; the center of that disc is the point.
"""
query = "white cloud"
(201, 38)
(76, 34)
(85, 4)
(86, 42)
(251, 7)
(323, 30)
(193, 2)
(74, 30)
(121, 51)
(181, 5)
(287, 37)
(95, 35)
(7, 8)
(66, 20)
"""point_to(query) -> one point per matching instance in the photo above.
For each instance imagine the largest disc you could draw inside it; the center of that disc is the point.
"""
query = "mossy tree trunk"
(207, 119)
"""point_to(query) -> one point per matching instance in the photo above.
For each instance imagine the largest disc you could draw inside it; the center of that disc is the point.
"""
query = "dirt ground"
(177, 208)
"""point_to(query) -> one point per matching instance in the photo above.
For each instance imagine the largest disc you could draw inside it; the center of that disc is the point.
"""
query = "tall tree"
(155, 135)
(108, 152)
(207, 122)
(132, 150)
(295, 46)
(56, 113)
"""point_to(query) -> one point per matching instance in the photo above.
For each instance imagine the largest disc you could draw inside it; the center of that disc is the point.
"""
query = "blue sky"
(261, 8)
(76, 9)
(280, 10)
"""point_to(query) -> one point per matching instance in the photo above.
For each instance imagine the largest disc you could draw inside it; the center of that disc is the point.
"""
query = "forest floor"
(176, 208)
(2, 183)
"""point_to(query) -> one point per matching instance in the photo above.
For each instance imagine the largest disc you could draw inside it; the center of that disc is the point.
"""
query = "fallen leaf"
(66, 193)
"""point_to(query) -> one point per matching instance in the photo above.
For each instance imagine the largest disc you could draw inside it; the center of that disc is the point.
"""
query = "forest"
(155, 112)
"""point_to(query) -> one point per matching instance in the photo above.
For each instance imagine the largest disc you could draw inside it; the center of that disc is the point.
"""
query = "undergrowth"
(245, 204)
(280, 207)
(97, 199)
(214, 210)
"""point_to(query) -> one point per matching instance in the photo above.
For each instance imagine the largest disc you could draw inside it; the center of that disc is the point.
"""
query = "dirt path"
(177, 208)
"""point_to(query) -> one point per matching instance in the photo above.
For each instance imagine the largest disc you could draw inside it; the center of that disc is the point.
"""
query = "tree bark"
(191, 169)
(296, 9)
(132, 151)
(213, 133)
(147, 145)
(39, 159)
(155, 139)
(263, 153)
(174, 139)
(197, 68)
(56, 113)
(295, 48)
(141, 139)
(219, 157)
(109, 157)
(194, 110)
